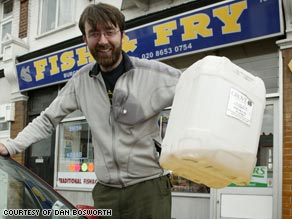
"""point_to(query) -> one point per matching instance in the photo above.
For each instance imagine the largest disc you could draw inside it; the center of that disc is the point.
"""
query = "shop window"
(55, 14)
(6, 19)
(75, 156)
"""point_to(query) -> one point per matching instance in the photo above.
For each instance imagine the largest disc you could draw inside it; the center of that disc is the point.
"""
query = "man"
(121, 98)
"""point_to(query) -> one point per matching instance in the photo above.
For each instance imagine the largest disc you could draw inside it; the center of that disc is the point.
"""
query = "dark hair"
(103, 14)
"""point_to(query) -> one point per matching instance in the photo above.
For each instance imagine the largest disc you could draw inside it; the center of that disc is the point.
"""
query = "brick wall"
(287, 136)
(23, 21)
(18, 124)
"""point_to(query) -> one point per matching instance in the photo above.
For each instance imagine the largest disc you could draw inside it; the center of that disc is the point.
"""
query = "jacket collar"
(128, 66)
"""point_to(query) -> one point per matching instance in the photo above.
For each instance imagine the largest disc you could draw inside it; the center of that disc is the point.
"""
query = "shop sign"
(259, 177)
(53, 68)
(82, 180)
(219, 25)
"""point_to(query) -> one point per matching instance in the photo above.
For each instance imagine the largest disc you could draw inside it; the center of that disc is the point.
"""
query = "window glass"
(22, 190)
(48, 15)
(6, 29)
(7, 8)
(56, 13)
(75, 157)
(65, 12)
(6, 19)
(4, 126)
(265, 150)
(4, 130)
(76, 141)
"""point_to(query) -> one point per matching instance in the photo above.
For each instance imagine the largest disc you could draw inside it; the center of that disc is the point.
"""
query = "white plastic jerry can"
(214, 125)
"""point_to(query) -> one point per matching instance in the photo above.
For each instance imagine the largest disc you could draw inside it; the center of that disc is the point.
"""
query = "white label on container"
(239, 106)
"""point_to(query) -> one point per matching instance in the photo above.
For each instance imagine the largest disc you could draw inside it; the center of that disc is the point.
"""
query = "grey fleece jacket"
(122, 132)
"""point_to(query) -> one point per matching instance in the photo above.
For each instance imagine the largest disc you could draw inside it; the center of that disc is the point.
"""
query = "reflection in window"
(75, 143)
(21, 190)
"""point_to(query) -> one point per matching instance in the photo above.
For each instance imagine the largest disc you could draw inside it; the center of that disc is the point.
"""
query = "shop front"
(245, 31)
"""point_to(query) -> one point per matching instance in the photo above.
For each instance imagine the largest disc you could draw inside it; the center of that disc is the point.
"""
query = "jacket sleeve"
(43, 126)
(148, 89)
(162, 95)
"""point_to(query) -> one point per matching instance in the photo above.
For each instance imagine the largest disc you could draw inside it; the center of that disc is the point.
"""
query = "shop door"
(258, 200)
(40, 156)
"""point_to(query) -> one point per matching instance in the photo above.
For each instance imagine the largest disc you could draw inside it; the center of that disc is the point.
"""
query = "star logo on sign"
(129, 45)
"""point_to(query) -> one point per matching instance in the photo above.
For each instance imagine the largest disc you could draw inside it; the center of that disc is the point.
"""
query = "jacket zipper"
(114, 148)
(112, 124)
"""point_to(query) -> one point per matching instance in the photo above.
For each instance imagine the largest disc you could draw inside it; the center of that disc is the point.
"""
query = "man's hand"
(3, 149)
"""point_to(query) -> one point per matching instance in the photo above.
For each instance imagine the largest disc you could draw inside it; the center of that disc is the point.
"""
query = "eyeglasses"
(107, 34)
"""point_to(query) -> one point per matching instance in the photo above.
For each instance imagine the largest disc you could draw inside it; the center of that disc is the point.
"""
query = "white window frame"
(4, 21)
(57, 26)
(59, 157)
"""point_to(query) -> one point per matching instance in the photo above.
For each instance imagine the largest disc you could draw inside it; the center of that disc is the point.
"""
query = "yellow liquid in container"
(214, 125)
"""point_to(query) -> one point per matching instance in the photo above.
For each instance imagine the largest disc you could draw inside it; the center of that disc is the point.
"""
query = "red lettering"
(70, 180)
(89, 181)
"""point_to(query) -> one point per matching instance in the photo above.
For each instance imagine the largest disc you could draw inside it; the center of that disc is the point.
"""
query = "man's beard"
(106, 60)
